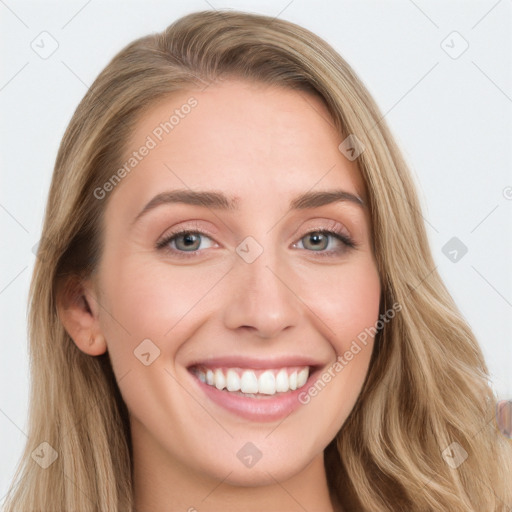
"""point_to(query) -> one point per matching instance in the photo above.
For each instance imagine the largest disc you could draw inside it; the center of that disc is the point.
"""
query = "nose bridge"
(260, 295)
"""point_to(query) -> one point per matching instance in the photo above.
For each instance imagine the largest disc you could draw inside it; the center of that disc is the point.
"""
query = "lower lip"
(256, 409)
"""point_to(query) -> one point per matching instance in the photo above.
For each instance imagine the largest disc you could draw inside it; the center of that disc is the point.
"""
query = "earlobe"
(77, 311)
(96, 346)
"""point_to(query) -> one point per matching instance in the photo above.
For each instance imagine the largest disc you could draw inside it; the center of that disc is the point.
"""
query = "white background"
(451, 117)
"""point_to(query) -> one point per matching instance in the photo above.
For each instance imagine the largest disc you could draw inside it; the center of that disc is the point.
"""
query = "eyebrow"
(219, 201)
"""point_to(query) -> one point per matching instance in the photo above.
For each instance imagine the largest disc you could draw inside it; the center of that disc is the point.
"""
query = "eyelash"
(347, 242)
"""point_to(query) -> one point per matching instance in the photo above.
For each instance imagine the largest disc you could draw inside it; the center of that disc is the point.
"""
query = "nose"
(261, 297)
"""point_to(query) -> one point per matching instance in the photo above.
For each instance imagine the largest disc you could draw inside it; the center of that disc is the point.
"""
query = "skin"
(263, 145)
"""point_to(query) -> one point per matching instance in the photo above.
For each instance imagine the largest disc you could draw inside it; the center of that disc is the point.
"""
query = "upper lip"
(255, 362)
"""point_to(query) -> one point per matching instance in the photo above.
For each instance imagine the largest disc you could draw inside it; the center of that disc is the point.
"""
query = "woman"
(250, 371)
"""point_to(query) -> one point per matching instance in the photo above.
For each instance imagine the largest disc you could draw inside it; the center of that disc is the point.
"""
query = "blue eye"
(185, 243)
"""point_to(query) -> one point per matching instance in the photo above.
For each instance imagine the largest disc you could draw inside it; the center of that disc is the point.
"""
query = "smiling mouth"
(253, 383)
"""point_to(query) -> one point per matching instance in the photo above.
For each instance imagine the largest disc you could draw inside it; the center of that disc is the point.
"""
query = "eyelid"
(192, 225)
(330, 225)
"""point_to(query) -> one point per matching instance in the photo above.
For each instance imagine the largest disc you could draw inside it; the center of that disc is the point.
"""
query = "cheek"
(347, 300)
(148, 300)
(155, 296)
(349, 310)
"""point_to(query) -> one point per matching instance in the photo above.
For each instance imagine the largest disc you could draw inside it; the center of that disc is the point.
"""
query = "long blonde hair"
(427, 388)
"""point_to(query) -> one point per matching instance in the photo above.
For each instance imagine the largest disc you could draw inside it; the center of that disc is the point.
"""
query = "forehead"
(240, 136)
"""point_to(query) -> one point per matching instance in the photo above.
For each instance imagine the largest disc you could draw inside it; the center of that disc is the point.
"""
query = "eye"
(184, 241)
(318, 241)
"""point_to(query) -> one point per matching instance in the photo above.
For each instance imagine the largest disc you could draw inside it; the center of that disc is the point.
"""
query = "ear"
(78, 311)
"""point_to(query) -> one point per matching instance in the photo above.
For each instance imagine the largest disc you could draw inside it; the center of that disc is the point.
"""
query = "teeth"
(233, 381)
(293, 381)
(220, 381)
(249, 382)
(269, 382)
(302, 377)
(282, 383)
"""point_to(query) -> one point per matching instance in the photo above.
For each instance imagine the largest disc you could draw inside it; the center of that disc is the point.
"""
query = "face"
(230, 319)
